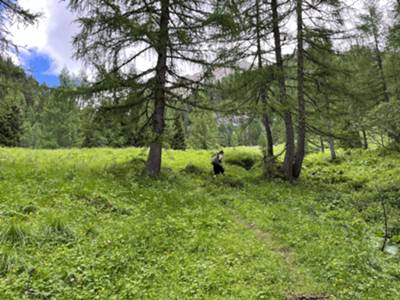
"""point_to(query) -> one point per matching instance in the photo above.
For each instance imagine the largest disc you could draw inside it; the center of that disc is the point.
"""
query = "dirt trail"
(285, 253)
(267, 238)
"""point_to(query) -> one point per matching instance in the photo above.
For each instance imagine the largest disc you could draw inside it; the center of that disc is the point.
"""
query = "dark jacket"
(217, 159)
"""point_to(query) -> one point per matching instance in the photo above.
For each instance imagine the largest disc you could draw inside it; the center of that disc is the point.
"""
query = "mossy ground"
(86, 224)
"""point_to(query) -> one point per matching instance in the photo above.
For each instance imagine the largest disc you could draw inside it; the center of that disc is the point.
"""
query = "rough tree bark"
(301, 126)
(153, 165)
(287, 167)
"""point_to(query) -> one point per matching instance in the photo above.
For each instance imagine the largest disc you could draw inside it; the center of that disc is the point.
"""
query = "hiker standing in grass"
(217, 163)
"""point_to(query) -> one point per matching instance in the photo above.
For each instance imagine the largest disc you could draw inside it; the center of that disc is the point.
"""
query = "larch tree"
(301, 109)
(374, 32)
(372, 27)
(287, 167)
(157, 42)
(321, 17)
(256, 29)
(249, 89)
(11, 12)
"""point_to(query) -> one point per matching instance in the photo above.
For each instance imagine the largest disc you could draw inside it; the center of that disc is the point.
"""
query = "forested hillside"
(333, 89)
(36, 116)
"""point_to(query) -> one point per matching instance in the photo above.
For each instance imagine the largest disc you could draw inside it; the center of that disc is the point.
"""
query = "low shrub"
(246, 160)
(193, 169)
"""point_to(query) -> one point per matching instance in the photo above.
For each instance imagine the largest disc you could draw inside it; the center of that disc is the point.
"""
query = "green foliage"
(10, 13)
(73, 219)
(55, 229)
(243, 159)
(104, 129)
(178, 137)
(386, 117)
(231, 182)
(203, 132)
(15, 233)
(8, 261)
(10, 127)
(193, 169)
(60, 124)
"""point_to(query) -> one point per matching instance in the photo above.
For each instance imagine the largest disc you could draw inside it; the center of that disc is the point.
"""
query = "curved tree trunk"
(153, 165)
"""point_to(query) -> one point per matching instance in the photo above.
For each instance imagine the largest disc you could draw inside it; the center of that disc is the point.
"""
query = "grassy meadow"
(86, 224)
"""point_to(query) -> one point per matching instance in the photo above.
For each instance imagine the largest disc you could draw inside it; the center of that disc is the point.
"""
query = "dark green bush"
(193, 169)
(242, 159)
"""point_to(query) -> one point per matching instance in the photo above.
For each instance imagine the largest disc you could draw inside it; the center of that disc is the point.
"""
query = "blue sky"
(38, 65)
(46, 48)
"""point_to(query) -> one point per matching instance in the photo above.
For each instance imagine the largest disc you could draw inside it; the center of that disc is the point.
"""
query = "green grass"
(86, 224)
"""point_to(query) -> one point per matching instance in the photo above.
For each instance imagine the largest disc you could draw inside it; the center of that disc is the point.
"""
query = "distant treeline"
(36, 116)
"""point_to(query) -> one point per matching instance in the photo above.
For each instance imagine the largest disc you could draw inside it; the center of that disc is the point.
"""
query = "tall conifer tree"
(158, 42)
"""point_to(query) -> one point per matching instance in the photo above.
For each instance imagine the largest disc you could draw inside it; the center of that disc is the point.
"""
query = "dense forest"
(253, 80)
(36, 116)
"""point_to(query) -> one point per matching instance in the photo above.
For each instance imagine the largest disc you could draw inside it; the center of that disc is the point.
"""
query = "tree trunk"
(269, 154)
(153, 165)
(269, 160)
(268, 131)
(287, 167)
(331, 141)
(365, 140)
(322, 144)
(332, 148)
(301, 127)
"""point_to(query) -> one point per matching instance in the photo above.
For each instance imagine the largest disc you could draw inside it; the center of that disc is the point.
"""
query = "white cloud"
(52, 35)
